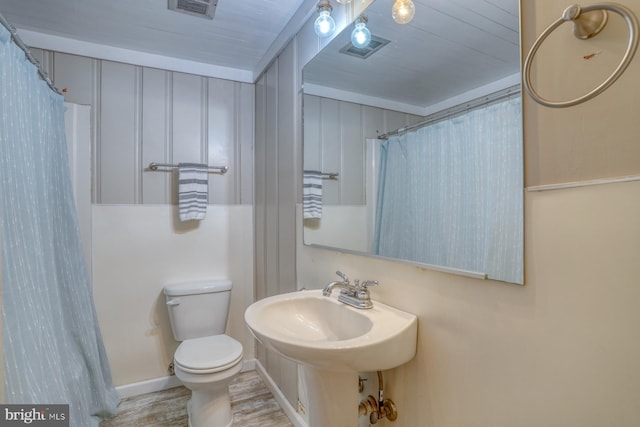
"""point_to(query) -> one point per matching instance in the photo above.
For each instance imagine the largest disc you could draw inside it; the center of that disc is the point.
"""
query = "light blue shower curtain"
(450, 194)
(52, 345)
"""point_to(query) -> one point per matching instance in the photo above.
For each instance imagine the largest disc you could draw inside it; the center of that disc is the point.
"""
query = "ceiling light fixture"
(344, 1)
(403, 11)
(361, 36)
(324, 24)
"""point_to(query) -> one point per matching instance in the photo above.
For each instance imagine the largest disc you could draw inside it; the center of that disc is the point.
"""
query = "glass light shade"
(324, 25)
(343, 1)
(361, 36)
(403, 11)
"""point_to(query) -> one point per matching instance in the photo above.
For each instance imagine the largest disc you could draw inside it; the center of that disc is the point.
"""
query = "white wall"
(139, 249)
(340, 226)
(563, 349)
(560, 351)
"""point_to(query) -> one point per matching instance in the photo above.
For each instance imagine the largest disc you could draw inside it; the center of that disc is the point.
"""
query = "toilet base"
(216, 413)
(210, 404)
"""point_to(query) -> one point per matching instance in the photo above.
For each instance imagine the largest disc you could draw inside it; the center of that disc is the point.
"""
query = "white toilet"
(206, 360)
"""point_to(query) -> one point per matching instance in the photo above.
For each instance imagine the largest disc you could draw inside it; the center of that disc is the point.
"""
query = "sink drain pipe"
(378, 408)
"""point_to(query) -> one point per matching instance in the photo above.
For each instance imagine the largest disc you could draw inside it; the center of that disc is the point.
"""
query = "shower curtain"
(458, 185)
(53, 350)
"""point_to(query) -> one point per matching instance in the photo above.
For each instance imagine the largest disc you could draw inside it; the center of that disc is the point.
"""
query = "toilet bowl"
(206, 366)
(206, 360)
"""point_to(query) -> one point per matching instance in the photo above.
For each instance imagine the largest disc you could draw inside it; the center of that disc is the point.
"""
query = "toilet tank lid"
(201, 287)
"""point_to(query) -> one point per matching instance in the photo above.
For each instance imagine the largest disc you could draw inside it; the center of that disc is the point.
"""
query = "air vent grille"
(375, 45)
(201, 8)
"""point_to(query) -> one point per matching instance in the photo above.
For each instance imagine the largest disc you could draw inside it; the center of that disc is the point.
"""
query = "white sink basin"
(324, 333)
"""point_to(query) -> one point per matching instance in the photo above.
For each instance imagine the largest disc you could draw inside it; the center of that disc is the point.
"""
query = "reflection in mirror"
(424, 131)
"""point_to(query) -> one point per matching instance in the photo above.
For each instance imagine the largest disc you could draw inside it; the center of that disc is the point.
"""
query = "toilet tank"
(198, 309)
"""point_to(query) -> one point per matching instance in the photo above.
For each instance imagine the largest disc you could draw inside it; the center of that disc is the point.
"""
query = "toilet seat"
(208, 355)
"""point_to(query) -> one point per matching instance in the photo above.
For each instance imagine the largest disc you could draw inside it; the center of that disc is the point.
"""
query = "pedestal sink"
(333, 342)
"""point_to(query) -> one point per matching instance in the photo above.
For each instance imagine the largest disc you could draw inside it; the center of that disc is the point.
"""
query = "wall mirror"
(455, 63)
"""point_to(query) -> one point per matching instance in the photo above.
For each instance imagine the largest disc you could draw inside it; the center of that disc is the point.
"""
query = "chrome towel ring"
(588, 22)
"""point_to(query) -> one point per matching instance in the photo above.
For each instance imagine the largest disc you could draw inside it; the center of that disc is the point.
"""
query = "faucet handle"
(366, 283)
(343, 276)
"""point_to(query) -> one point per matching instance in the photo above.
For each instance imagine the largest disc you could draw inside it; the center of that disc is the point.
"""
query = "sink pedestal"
(333, 397)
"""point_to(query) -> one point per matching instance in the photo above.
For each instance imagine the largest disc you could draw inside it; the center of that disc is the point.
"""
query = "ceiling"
(450, 48)
(238, 37)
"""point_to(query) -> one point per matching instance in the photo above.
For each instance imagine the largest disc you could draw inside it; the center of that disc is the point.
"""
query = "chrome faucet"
(356, 295)
(344, 284)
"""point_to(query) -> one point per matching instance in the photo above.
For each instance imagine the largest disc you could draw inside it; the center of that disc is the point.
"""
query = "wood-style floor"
(252, 405)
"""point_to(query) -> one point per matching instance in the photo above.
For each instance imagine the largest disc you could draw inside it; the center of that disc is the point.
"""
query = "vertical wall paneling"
(312, 152)
(330, 140)
(259, 201)
(271, 279)
(204, 120)
(76, 74)
(372, 121)
(276, 188)
(246, 136)
(288, 163)
(142, 115)
(169, 134)
(155, 135)
(186, 122)
(334, 141)
(187, 118)
(117, 141)
(137, 154)
(260, 189)
(80, 77)
(288, 183)
(352, 141)
(222, 137)
(271, 179)
(96, 121)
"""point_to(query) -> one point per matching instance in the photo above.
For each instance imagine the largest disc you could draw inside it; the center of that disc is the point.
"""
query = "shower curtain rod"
(483, 101)
(27, 52)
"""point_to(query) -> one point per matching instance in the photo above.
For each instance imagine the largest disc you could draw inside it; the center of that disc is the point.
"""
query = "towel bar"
(330, 175)
(153, 166)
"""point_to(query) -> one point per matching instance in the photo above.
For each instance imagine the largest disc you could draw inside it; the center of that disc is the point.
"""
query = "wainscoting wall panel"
(334, 141)
(142, 115)
(277, 185)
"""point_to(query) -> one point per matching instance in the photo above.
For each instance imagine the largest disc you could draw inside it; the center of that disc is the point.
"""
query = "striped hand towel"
(312, 194)
(193, 191)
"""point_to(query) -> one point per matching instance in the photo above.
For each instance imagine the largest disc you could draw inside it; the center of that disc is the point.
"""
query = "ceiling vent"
(201, 8)
(375, 45)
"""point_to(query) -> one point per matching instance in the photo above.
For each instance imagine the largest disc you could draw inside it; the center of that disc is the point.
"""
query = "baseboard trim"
(164, 383)
(291, 413)
(148, 386)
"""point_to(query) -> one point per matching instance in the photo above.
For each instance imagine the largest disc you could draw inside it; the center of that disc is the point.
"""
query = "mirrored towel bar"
(330, 175)
(153, 166)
